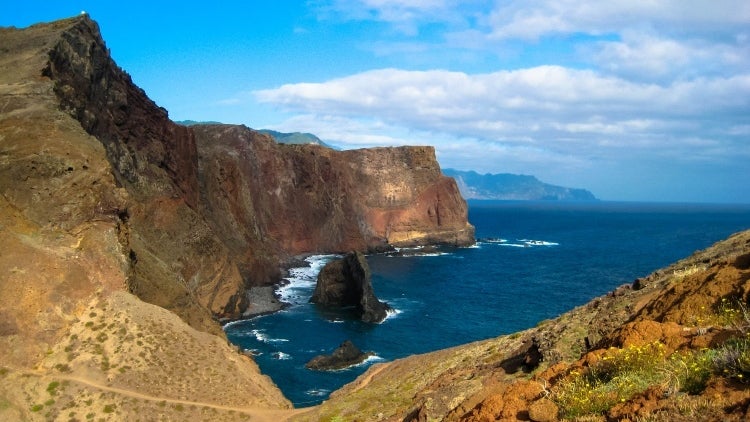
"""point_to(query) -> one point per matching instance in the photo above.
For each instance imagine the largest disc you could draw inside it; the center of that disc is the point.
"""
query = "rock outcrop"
(108, 208)
(76, 239)
(346, 355)
(214, 209)
(304, 198)
(346, 282)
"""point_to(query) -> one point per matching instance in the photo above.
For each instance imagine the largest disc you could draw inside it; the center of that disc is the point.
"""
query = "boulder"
(346, 282)
(347, 354)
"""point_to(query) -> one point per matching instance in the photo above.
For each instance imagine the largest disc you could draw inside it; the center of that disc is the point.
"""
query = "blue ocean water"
(533, 260)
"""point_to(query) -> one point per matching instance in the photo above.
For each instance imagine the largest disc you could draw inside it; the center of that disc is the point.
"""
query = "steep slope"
(684, 327)
(125, 236)
(73, 341)
(215, 208)
(506, 186)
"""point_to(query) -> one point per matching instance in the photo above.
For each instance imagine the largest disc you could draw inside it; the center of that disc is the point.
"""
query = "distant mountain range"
(507, 186)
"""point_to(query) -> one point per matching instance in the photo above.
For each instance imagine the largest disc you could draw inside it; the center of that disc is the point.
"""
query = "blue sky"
(633, 100)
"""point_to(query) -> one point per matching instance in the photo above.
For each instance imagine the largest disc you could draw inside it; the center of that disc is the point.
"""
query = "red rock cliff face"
(305, 198)
(214, 209)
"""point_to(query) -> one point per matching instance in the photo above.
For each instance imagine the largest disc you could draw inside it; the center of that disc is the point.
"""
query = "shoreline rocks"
(346, 355)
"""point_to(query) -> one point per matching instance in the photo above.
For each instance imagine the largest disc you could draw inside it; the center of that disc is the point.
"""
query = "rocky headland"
(513, 187)
(126, 237)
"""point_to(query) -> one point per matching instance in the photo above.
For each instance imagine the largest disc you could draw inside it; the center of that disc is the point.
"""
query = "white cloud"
(551, 100)
(572, 85)
(530, 20)
(546, 120)
(646, 56)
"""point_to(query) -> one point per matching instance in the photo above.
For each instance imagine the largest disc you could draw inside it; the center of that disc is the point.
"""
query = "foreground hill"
(126, 236)
(673, 346)
(506, 186)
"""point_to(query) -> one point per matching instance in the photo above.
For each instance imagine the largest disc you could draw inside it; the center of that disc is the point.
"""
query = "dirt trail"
(256, 414)
(362, 384)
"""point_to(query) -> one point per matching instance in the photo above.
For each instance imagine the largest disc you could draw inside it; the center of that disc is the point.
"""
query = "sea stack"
(347, 354)
(346, 282)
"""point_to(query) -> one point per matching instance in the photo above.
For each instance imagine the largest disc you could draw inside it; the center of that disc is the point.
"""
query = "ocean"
(532, 261)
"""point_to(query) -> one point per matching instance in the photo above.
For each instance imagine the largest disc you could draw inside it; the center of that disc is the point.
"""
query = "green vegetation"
(732, 359)
(109, 408)
(623, 373)
(52, 387)
(37, 407)
(619, 375)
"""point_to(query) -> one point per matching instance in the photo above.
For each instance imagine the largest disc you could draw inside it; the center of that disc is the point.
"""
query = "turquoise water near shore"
(532, 261)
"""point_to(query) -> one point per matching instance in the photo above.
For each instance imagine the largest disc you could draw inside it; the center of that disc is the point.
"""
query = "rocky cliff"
(84, 221)
(213, 209)
(106, 203)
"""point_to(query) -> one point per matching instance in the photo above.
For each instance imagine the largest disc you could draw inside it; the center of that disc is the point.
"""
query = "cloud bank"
(659, 87)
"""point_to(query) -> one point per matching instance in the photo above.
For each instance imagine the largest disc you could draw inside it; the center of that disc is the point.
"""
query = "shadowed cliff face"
(77, 234)
(210, 210)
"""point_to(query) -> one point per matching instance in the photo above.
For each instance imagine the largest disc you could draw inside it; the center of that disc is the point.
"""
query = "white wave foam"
(390, 314)
(230, 324)
(494, 240)
(531, 242)
(514, 245)
(301, 280)
(262, 337)
(281, 356)
(368, 361)
(317, 392)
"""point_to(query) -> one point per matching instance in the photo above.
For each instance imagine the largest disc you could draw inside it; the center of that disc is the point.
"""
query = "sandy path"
(256, 414)
(362, 384)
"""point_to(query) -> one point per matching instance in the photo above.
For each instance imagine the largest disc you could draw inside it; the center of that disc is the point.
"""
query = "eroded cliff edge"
(109, 208)
(214, 209)
(74, 342)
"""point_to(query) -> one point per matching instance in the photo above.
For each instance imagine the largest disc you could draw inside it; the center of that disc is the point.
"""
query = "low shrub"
(623, 373)
(732, 359)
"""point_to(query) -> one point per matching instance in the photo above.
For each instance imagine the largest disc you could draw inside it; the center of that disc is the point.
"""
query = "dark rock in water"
(347, 354)
(346, 282)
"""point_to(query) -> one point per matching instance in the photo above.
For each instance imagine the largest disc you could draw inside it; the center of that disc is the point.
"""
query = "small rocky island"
(346, 355)
(346, 282)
